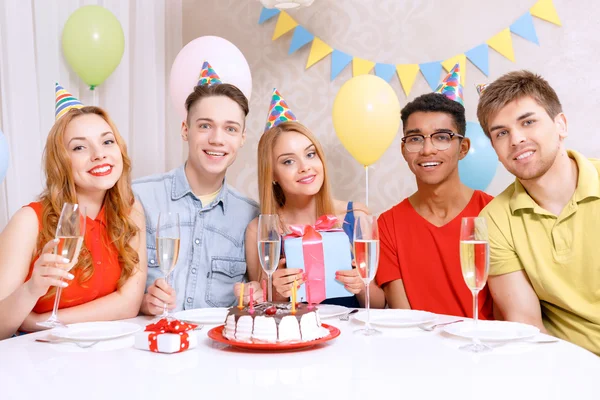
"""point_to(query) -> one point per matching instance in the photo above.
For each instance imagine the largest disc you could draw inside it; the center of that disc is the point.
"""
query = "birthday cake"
(274, 323)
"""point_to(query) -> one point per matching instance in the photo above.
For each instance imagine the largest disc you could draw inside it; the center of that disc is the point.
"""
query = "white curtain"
(135, 95)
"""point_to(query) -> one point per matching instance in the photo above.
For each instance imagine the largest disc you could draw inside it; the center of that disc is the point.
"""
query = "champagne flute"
(475, 265)
(69, 232)
(366, 253)
(167, 247)
(269, 247)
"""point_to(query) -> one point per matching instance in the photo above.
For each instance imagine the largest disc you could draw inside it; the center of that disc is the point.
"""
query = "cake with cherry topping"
(274, 323)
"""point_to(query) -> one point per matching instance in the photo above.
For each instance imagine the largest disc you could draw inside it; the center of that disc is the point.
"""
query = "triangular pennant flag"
(285, 23)
(339, 60)
(407, 73)
(479, 56)
(301, 37)
(279, 111)
(318, 50)
(451, 87)
(431, 71)
(502, 43)
(64, 101)
(361, 66)
(267, 13)
(524, 28)
(385, 71)
(544, 9)
(208, 76)
(459, 59)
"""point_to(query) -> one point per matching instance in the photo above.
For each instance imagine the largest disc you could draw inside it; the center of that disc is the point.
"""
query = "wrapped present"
(167, 336)
(319, 250)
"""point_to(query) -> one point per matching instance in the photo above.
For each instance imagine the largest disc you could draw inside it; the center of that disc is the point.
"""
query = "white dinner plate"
(93, 331)
(331, 310)
(203, 315)
(396, 318)
(492, 331)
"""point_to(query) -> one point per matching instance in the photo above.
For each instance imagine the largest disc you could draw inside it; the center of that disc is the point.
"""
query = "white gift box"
(166, 342)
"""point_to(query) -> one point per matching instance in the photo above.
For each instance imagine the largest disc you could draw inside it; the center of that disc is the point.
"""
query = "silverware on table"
(346, 316)
(430, 328)
(83, 345)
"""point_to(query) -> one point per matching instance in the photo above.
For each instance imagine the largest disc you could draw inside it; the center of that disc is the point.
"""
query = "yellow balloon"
(366, 117)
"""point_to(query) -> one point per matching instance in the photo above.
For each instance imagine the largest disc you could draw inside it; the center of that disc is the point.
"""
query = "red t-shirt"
(427, 259)
(107, 269)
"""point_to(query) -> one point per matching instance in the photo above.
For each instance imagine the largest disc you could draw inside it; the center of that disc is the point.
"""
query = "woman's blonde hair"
(271, 196)
(60, 189)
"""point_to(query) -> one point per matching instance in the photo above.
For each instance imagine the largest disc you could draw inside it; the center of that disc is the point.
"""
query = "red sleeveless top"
(107, 269)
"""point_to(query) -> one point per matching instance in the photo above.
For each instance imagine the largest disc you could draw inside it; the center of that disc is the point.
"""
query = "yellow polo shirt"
(560, 254)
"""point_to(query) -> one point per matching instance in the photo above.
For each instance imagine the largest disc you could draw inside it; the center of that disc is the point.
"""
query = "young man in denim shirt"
(213, 216)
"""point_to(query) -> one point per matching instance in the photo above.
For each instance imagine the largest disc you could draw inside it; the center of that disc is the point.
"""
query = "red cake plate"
(216, 334)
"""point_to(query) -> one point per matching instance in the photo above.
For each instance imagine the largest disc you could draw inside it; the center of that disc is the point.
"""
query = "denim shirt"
(212, 253)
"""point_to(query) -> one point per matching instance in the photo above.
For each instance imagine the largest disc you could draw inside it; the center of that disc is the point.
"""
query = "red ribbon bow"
(312, 251)
(172, 326)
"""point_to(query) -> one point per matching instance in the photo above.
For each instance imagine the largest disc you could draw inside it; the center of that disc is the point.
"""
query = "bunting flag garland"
(407, 73)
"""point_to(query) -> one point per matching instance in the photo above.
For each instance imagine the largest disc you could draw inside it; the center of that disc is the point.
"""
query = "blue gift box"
(337, 256)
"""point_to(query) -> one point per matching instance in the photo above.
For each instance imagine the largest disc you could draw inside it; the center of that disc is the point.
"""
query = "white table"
(402, 363)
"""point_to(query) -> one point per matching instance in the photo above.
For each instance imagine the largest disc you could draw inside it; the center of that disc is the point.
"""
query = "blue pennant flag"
(431, 71)
(300, 38)
(339, 60)
(267, 13)
(524, 28)
(385, 71)
(479, 56)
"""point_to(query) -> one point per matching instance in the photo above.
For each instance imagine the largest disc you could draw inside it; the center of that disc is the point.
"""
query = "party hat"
(279, 111)
(451, 87)
(481, 87)
(65, 101)
(208, 76)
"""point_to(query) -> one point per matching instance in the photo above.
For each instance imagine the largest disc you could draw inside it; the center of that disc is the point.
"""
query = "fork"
(346, 317)
(432, 327)
(85, 345)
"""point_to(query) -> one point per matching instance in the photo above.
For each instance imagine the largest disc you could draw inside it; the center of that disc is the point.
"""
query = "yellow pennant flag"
(318, 50)
(285, 23)
(502, 43)
(361, 66)
(544, 9)
(407, 73)
(461, 60)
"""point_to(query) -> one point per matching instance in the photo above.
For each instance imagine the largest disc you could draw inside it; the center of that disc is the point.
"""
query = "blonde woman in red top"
(86, 162)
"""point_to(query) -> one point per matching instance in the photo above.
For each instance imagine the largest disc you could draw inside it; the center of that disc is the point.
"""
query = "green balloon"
(93, 43)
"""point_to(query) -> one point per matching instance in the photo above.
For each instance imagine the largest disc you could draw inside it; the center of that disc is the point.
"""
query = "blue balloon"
(478, 168)
(3, 156)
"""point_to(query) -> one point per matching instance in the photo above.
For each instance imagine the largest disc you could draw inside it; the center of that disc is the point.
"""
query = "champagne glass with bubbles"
(475, 265)
(366, 253)
(167, 247)
(269, 247)
(69, 232)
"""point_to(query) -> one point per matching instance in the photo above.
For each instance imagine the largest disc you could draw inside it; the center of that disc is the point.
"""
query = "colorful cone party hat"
(65, 101)
(208, 76)
(451, 87)
(279, 111)
(481, 87)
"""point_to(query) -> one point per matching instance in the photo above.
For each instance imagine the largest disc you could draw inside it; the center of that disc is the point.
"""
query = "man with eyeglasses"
(419, 265)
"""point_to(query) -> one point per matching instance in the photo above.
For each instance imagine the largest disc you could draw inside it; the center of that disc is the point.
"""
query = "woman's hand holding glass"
(48, 270)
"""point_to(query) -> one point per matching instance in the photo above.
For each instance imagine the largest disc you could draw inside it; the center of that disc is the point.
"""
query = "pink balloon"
(226, 59)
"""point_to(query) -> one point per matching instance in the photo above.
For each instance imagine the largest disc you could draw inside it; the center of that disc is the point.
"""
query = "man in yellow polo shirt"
(544, 255)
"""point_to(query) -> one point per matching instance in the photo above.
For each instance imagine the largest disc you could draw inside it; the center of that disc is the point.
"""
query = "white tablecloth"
(402, 363)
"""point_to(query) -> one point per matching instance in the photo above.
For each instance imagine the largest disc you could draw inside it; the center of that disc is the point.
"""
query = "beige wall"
(394, 31)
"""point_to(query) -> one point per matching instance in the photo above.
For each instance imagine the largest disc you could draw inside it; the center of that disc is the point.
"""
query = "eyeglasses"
(439, 140)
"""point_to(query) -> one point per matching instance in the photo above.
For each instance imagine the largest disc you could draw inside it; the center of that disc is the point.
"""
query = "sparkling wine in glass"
(366, 255)
(475, 265)
(269, 247)
(69, 232)
(167, 247)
